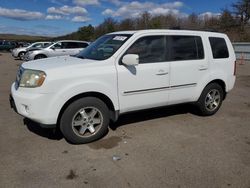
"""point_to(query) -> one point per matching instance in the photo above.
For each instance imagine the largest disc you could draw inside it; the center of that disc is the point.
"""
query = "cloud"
(136, 8)
(80, 19)
(108, 12)
(59, 2)
(115, 2)
(38, 30)
(53, 17)
(67, 10)
(19, 14)
(207, 15)
(86, 2)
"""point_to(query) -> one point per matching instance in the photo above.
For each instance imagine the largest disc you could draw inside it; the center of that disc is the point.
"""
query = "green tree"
(86, 33)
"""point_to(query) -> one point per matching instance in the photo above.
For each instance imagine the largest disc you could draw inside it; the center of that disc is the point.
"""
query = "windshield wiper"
(78, 56)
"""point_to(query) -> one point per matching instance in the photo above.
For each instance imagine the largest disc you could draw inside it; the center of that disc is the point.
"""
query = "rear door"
(188, 65)
(71, 48)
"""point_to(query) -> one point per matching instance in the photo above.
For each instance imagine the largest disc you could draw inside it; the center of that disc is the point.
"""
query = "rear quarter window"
(219, 47)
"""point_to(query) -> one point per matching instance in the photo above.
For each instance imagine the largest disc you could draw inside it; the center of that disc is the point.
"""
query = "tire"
(40, 56)
(210, 100)
(85, 120)
(21, 55)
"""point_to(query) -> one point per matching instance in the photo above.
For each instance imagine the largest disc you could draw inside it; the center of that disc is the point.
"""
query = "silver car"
(20, 52)
(60, 48)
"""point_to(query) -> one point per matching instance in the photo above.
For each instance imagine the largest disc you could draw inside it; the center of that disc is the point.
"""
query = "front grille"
(19, 76)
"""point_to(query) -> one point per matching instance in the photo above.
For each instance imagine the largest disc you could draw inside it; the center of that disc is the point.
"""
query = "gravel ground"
(167, 147)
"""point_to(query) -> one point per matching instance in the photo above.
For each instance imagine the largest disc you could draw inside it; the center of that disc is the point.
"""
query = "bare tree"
(242, 11)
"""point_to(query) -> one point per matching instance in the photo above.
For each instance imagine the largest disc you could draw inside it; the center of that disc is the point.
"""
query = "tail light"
(235, 68)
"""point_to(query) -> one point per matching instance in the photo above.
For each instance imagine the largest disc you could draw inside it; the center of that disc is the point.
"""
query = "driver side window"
(57, 45)
(151, 49)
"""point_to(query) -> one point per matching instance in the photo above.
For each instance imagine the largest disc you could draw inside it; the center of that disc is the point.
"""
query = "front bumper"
(12, 103)
(28, 57)
(14, 54)
(32, 106)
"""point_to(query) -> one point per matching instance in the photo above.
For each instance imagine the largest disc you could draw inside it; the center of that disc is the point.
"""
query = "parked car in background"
(23, 44)
(60, 48)
(7, 45)
(123, 72)
(20, 52)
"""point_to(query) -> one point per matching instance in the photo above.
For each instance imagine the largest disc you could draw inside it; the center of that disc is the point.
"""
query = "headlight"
(32, 78)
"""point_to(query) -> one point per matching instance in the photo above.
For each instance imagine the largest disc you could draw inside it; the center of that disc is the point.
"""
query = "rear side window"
(219, 47)
(183, 48)
(70, 45)
(82, 45)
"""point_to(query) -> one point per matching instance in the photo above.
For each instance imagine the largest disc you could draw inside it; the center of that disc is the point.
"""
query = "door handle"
(64, 51)
(203, 67)
(162, 72)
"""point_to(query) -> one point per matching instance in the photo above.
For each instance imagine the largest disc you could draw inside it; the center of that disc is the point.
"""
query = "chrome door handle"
(203, 67)
(161, 72)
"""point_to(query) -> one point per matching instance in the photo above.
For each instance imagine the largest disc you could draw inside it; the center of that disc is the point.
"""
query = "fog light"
(26, 108)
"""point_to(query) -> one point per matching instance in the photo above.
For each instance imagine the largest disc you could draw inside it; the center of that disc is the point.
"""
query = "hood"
(48, 64)
(21, 48)
(33, 49)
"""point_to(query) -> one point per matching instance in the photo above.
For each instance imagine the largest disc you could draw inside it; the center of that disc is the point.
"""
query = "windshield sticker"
(120, 38)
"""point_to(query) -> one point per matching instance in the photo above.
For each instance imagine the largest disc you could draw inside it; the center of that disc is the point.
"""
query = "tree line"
(235, 22)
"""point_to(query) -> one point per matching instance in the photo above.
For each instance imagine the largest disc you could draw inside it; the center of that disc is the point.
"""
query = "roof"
(72, 41)
(161, 31)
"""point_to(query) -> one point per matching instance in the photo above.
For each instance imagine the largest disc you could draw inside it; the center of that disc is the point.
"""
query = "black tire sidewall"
(201, 101)
(39, 57)
(20, 53)
(72, 109)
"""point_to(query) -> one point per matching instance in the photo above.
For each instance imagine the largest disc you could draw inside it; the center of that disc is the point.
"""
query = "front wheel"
(85, 120)
(21, 55)
(211, 99)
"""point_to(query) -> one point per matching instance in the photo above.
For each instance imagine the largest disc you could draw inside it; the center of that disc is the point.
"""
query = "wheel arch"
(221, 83)
(40, 55)
(101, 96)
(19, 53)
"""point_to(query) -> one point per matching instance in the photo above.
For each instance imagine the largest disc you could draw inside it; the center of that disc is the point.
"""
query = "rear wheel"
(210, 99)
(85, 120)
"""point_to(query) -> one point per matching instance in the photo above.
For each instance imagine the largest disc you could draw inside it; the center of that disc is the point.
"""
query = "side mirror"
(131, 59)
(52, 48)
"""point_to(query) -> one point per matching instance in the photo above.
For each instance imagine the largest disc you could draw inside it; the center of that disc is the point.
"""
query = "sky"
(60, 17)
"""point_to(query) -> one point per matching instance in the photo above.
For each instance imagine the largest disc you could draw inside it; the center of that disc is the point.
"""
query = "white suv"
(122, 72)
(59, 48)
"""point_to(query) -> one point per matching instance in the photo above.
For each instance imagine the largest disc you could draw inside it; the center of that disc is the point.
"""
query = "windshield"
(104, 47)
(48, 44)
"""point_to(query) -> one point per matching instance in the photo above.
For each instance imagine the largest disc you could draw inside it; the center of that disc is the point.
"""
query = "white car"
(20, 52)
(123, 72)
(59, 48)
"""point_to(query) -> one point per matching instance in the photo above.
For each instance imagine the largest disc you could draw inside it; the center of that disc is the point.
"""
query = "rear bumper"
(231, 82)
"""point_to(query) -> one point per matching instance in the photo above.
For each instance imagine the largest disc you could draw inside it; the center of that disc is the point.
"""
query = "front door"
(147, 84)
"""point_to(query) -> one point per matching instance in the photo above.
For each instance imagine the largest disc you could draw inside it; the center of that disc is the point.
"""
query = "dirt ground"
(167, 147)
